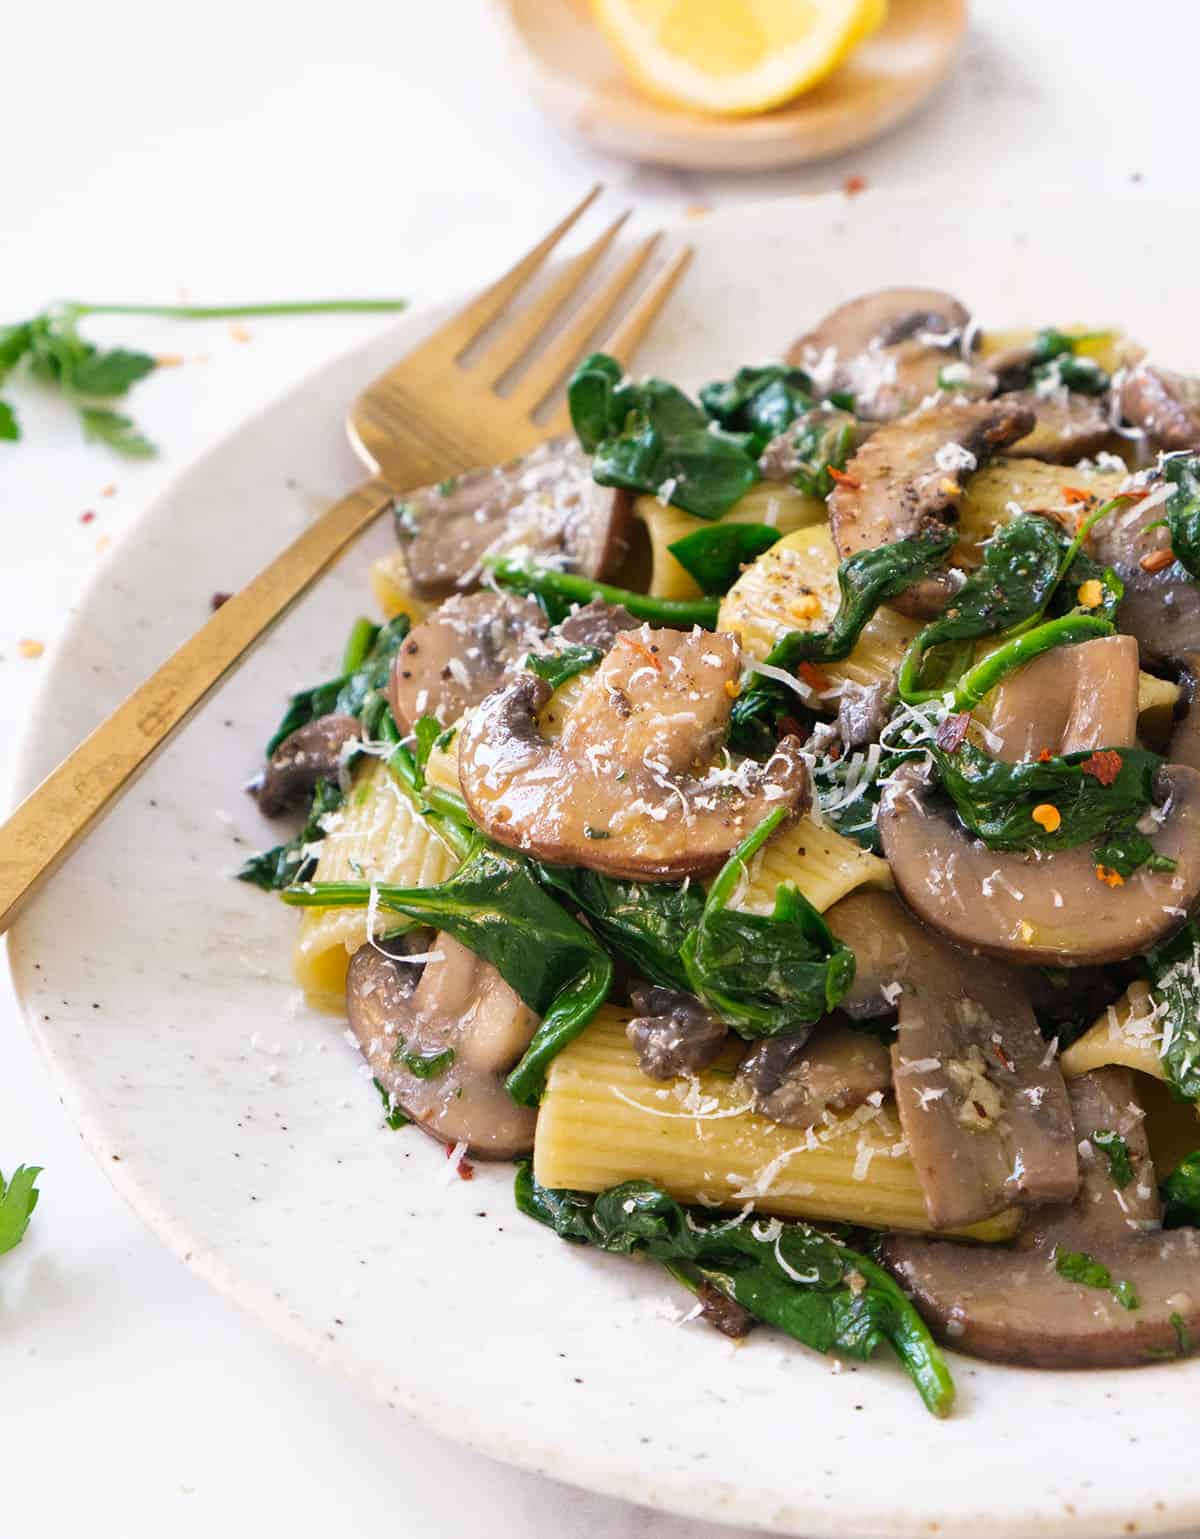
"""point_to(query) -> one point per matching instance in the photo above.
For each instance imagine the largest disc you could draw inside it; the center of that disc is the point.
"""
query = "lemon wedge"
(734, 56)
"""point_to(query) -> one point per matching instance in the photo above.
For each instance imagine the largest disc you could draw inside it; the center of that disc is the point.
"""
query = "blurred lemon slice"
(734, 55)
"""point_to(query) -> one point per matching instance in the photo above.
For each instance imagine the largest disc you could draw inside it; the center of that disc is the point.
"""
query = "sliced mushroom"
(907, 481)
(546, 504)
(1067, 700)
(797, 1081)
(630, 788)
(1164, 405)
(439, 1035)
(886, 348)
(1069, 427)
(981, 1100)
(313, 752)
(1011, 1304)
(1161, 606)
(863, 711)
(463, 652)
(1035, 907)
(595, 625)
(674, 1033)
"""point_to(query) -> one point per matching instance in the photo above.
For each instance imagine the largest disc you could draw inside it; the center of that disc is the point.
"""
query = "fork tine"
(624, 342)
(462, 329)
(525, 328)
(564, 351)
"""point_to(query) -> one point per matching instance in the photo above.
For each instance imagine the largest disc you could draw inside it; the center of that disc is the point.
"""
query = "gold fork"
(431, 416)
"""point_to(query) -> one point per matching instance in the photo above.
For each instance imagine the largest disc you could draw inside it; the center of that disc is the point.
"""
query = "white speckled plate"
(244, 1131)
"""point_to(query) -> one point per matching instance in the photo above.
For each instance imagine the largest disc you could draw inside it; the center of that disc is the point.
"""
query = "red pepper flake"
(1104, 765)
(843, 478)
(953, 731)
(644, 651)
(1155, 560)
(853, 185)
(1044, 756)
(1076, 494)
(87, 518)
(816, 678)
(1109, 877)
(218, 599)
(1003, 1057)
(466, 1171)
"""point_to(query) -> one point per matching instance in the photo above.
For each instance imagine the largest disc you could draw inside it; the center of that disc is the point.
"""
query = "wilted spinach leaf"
(1181, 1194)
(761, 402)
(789, 1275)
(1183, 510)
(1174, 972)
(714, 557)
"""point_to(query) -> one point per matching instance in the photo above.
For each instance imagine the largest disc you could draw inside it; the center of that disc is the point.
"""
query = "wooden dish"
(573, 71)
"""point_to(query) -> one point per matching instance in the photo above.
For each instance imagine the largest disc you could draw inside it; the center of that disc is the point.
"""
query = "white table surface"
(249, 150)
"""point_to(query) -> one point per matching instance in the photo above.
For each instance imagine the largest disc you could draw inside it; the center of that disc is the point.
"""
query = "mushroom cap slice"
(1069, 699)
(1164, 405)
(906, 482)
(1161, 608)
(1035, 907)
(460, 654)
(1069, 427)
(797, 1081)
(595, 624)
(545, 503)
(982, 1103)
(887, 348)
(630, 787)
(1010, 1304)
(312, 752)
(409, 1012)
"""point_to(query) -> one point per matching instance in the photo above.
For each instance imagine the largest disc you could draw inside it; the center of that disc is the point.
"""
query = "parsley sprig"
(51, 349)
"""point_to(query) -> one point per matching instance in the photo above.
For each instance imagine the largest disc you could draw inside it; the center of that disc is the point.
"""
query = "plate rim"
(496, 1438)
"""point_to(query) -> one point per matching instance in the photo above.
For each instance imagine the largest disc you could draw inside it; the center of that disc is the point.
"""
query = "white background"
(258, 150)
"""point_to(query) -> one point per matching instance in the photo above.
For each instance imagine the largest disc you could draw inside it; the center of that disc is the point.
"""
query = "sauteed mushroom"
(1069, 427)
(1068, 699)
(674, 1033)
(439, 1035)
(313, 752)
(546, 503)
(1037, 907)
(631, 787)
(1164, 405)
(907, 481)
(981, 1101)
(886, 348)
(1161, 606)
(460, 654)
(1012, 1304)
(1185, 735)
(796, 1080)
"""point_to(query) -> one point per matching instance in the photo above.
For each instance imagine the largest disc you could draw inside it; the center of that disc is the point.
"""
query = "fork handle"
(54, 817)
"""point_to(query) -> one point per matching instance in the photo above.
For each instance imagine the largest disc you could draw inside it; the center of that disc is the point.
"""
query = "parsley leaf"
(1078, 1267)
(1119, 1164)
(18, 1198)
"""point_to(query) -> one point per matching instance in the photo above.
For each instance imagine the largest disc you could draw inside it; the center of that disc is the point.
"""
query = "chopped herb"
(1078, 1267)
(649, 437)
(1181, 1194)
(392, 1115)
(423, 1065)
(789, 1275)
(558, 667)
(595, 833)
(1117, 1150)
(765, 975)
(18, 1198)
(714, 557)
